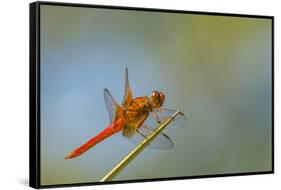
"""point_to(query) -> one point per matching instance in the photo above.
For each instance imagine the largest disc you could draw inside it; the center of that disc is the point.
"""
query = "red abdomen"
(113, 128)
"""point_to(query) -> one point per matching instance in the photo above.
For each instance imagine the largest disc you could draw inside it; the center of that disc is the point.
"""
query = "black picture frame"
(34, 91)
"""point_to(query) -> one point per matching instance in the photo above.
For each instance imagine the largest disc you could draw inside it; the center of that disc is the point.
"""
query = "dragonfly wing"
(161, 141)
(112, 106)
(128, 97)
(164, 114)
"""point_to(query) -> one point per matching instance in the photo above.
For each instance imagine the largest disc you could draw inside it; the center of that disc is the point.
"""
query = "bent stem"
(125, 161)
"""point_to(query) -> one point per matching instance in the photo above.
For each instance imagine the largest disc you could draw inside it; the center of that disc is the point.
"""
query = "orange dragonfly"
(132, 119)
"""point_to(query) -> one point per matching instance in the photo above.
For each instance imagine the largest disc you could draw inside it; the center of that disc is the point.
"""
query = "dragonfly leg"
(147, 127)
(156, 117)
(141, 133)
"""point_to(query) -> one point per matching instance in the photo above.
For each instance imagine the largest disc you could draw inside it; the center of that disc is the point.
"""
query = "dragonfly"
(136, 118)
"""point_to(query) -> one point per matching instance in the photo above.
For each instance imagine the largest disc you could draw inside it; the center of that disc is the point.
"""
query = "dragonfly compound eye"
(157, 98)
(162, 98)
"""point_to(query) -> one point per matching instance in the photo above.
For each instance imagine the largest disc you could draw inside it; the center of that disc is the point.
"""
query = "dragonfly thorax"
(139, 107)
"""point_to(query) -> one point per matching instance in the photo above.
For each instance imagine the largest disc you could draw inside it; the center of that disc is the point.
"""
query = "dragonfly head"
(157, 99)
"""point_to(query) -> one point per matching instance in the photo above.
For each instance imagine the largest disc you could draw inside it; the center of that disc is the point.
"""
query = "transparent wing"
(111, 105)
(128, 97)
(164, 114)
(161, 141)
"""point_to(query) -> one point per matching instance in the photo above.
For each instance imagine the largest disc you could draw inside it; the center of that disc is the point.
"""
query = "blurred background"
(215, 69)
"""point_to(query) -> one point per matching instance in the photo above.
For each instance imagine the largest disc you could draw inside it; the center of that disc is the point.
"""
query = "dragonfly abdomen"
(113, 128)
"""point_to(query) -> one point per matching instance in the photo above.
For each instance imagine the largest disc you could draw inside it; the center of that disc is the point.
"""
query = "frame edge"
(34, 90)
(34, 166)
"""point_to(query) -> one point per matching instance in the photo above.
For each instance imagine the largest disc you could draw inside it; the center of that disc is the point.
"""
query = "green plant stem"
(126, 160)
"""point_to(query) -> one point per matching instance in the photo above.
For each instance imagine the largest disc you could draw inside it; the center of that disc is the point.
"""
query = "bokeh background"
(215, 69)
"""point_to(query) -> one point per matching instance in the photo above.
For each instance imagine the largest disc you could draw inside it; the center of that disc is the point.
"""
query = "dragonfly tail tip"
(68, 157)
